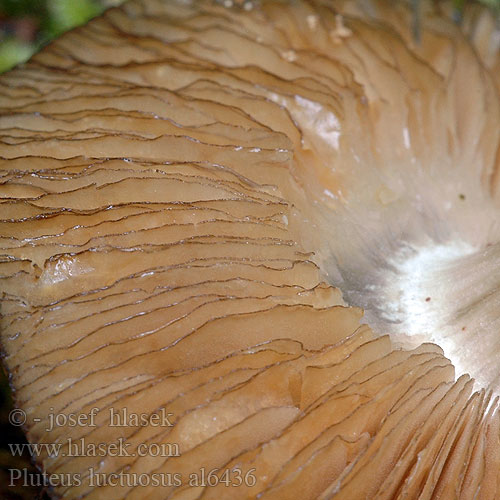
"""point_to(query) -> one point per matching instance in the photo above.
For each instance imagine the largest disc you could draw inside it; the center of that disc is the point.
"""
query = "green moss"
(65, 14)
(14, 51)
(51, 18)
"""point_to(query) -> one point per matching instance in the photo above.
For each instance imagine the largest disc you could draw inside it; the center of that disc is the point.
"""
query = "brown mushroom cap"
(181, 185)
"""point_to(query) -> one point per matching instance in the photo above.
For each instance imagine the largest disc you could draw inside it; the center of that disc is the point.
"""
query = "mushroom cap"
(186, 188)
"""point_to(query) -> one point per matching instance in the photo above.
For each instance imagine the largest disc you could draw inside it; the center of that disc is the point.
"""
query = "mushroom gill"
(186, 188)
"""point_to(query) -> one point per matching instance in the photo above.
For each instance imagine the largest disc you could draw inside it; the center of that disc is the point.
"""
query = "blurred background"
(26, 25)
